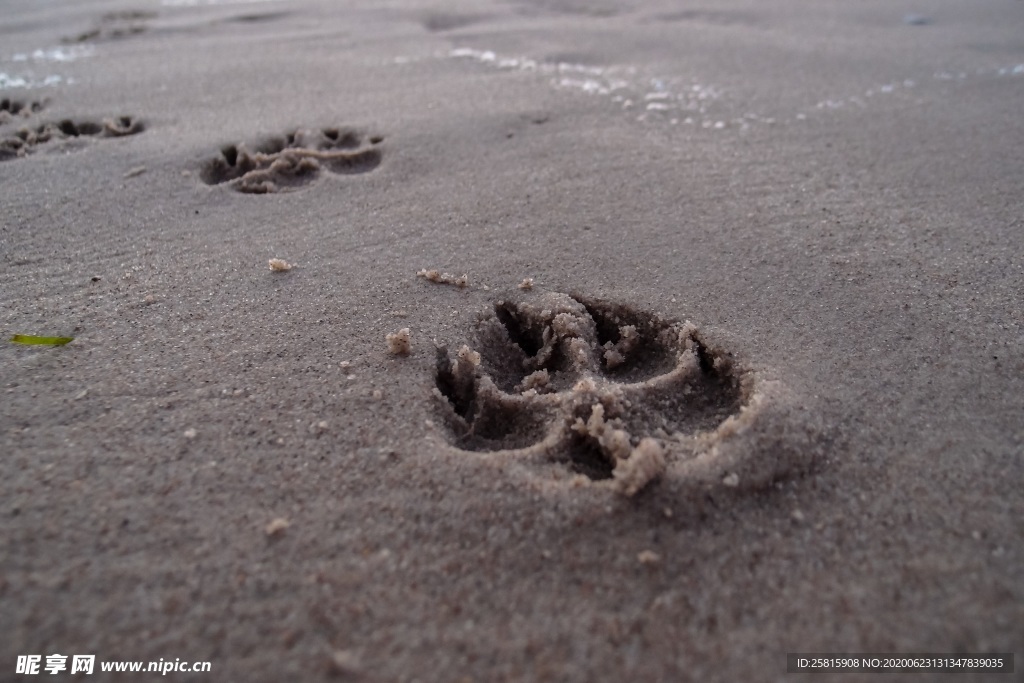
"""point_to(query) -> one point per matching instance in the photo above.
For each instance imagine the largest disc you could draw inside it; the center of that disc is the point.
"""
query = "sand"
(820, 200)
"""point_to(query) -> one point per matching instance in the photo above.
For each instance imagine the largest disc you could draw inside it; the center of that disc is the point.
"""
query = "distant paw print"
(24, 141)
(9, 109)
(292, 161)
(607, 390)
(114, 26)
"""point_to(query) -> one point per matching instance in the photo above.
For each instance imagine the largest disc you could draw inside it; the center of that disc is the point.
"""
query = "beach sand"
(809, 213)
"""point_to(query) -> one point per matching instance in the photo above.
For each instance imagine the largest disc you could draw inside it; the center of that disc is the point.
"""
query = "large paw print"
(24, 141)
(292, 161)
(609, 391)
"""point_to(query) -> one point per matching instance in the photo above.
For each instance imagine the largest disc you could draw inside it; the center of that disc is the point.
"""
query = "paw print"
(612, 393)
(10, 109)
(25, 140)
(292, 161)
(114, 26)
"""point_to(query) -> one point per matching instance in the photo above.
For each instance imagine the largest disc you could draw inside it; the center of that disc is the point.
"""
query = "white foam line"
(55, 54)
(8, 82)
(605, 81)
(908, 83)
(660, 103)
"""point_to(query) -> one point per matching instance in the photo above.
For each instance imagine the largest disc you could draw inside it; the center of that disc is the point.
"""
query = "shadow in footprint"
(478, 415)
(689, 403)
(634, 346)
(583, 455)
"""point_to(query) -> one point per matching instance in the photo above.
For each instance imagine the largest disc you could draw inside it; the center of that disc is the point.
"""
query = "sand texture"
(519, 340)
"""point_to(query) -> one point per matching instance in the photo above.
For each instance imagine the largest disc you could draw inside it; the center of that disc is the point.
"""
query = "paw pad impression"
(25, 140)
(292, 161)
(614, 394)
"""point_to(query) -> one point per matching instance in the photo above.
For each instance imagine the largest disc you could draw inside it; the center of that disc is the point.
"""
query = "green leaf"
(43, 341)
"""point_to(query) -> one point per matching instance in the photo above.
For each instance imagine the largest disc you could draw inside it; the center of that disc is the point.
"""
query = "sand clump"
(344, 663)
(648, 557)
(468, 357)
(538, 382)
(616, 353)
(440, 278)
(645, 464)
(276, 527)
(400, 343)
(634, 467)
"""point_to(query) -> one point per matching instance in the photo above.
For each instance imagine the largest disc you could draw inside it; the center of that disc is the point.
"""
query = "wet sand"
(809, 214)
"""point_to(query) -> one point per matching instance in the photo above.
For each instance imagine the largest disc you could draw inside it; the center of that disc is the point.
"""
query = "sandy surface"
(829, 191)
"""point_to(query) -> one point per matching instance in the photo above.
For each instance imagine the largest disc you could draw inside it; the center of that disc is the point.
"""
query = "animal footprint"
(114, 25)
(610, 392)
(9, 109)
(25, 140)
(292, 161)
